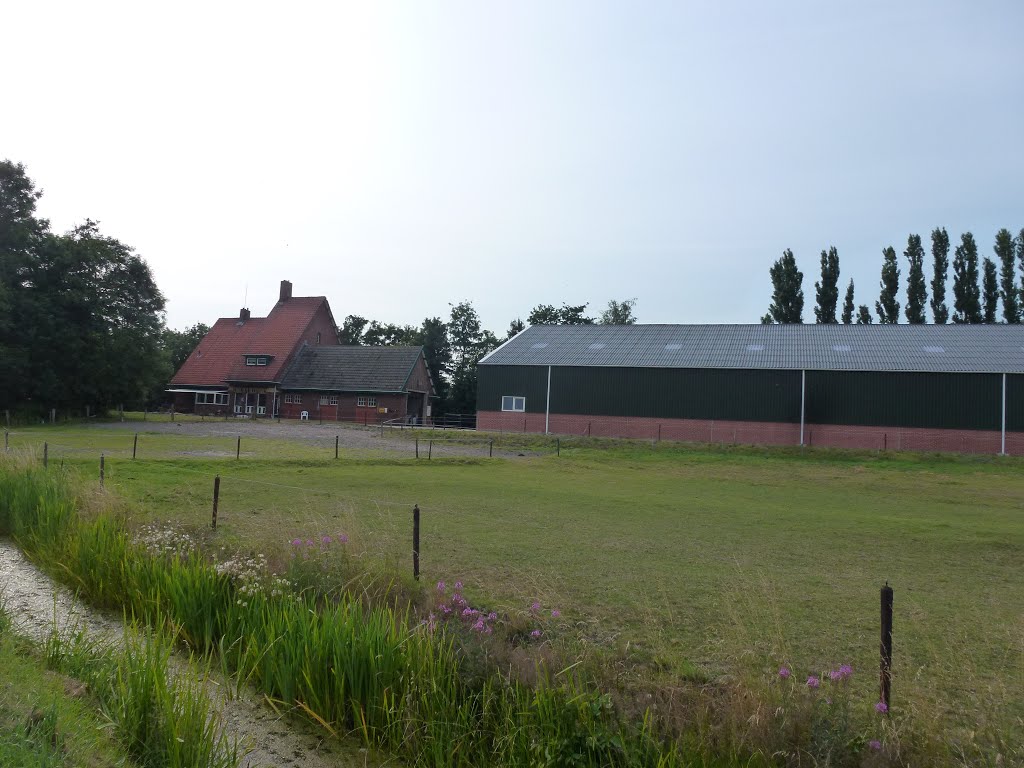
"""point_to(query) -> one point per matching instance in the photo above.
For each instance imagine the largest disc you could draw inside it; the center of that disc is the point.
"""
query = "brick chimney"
(243, 315)
(286, 290)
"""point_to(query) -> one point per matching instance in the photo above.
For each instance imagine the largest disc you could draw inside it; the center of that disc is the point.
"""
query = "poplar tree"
(848, 304)
(787, 291)
(1007, 273)
(887, 307)
(966, 295)
(863, 315)
(827, 291)
(917, 294)
(940, 265)
(990, 290)
(1020, 260)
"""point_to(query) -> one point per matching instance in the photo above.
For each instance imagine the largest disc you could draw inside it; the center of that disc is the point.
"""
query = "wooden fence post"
(558, 446)
(238, 448)
(885, 682)
(216, 499)
(7, 447)
(135, 445)
(490, 450)
(417, 447)
(430, 450)
(416, 542)
(336, 439)
(102, 470)
(46, 455)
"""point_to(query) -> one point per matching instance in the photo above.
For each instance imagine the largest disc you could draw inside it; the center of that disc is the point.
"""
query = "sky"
(398, 157)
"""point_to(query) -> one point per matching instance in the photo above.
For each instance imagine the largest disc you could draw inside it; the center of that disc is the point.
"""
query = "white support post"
(1002, 449)
(803, 399)
(547, 405)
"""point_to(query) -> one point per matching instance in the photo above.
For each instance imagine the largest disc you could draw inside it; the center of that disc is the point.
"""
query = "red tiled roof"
(220, 356)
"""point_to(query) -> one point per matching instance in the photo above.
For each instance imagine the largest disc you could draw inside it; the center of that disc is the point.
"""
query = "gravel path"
(350, 437)
(35, 603)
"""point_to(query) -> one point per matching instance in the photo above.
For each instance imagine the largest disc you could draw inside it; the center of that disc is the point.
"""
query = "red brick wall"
(346, 409)
(757, 432)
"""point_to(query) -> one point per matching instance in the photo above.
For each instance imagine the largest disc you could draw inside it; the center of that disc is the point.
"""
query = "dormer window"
(257, 360)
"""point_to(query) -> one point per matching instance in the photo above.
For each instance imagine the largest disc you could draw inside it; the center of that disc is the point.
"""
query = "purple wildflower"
(309, 542)
(325, 540)
(845, 671)
(492, 616)
(784, 673)
(479, 626)
(881, 707)
(296, 542)
(535, 634)
(555, 614)
(875, 744)
(458, 586)
(440, 587)
(535, 607)
(813, 682)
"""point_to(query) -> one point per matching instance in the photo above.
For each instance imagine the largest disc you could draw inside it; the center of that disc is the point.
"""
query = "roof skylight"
(755, 347)
(539, 345)
(841, 347)
(596, 346)
(673, 347)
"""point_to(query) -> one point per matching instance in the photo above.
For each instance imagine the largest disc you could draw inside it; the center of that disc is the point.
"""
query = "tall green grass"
(372, 670)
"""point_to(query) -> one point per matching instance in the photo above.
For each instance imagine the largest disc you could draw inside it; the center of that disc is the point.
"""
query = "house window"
(318, 337)
(287, 398)
(372, 402)
(512, 403)
(250, 361)
(334, 400)
(323, 399)
(361, 401)
(297, 399)
(211, 398)
(261, 361)
(256, 360)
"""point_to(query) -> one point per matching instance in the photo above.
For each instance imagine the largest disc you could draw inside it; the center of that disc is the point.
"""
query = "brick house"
(361, 384)
(238, 366)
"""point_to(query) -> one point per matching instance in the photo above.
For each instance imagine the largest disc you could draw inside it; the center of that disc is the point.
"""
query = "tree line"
(453, 346)
(82, 321)
(990, 295)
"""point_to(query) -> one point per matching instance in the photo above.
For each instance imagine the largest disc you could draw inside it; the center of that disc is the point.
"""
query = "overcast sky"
(396, 157)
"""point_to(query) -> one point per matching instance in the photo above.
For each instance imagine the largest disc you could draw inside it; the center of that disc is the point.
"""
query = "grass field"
(666, 562)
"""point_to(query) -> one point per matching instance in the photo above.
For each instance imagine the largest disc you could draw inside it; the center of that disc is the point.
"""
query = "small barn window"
(323, 399)
(512, 403)
(334, 400)
(361, 401)
(371, 402)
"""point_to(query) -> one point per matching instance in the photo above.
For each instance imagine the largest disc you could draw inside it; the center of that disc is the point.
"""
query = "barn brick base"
(756, 432)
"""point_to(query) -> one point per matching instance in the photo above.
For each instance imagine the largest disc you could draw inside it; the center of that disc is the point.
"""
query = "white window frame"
(361, 401)
(371, 402)
(333, 400)
(297, 398)
(211, 398)
(261, 361)
(287, 398)
(323, 399)
(513, 403)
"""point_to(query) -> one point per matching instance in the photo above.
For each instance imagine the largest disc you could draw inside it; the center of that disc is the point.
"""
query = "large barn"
(916, 387)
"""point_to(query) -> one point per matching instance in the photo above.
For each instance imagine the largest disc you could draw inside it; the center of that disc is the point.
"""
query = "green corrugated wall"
(930, 400)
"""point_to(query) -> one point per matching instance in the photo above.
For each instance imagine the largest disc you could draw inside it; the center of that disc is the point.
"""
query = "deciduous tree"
(1007, 276)
(887, 307)
(848, 304)
(917, 294)
(787, 291)
(827, 289)
(940, 266)
(966, 294)
(990, 290)
(619, 313)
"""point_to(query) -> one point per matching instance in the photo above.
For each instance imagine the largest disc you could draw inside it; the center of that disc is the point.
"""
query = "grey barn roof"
(919, 348)
(352, 369)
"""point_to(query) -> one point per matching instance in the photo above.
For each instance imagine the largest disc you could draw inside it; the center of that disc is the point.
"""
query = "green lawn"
(665, 561)
(47, 719)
